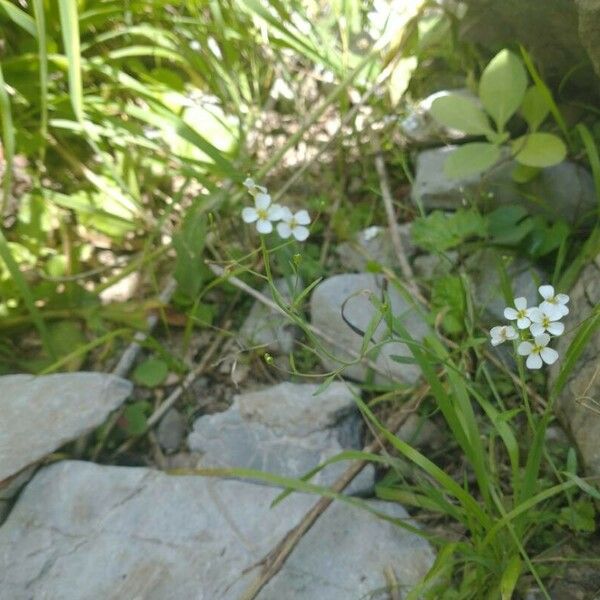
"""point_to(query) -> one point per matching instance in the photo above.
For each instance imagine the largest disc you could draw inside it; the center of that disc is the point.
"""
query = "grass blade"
(8, 143)
(19, 17)
(69, 25)
(40, 24)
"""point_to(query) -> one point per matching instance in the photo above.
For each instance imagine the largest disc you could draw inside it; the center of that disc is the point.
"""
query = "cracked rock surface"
(284, 429)
(41, 414)
(81, 531)
(578, 406)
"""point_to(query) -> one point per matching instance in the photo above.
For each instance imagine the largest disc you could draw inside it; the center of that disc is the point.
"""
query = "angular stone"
(342, 558)
(374, 245)
(81, 530)
(525, 279)
(347, 297)
(170, 431)
(578, 406)
(285, 430)
(41, 414)
(589, 29)
(564, 191)
(267, 328)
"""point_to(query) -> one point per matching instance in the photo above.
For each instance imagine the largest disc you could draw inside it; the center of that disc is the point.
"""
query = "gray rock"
(350, 294)
(482, 268)
(563, 191)
(578, 406)
(41, 414)
(341, 559)
(421, 128)
(589, 29)
(81, 531)
(171, 430)
(432, 266)
(374, 245)
(286, 430)
(547, 28)
(419, 432)
(268, 329)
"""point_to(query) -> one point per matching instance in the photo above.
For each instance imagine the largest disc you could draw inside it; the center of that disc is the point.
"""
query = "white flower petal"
(542, 339)
(535, 314)
(521, 303)
(264, 226)
(283, 229)
(555, 328)
(546, 292)
(286, 214)
(496, 331)
(562, 298)
(249, 183)
(510, 313)
(496, 341)
(249, 215)
(262, 201)
(536, 329)
(549, 355)
(554, 311)
(523, 323)
(302, 217)
(525, 348)
(300, 232)
(564, 310)
(275, 212)
(534, 361)
(511, 333)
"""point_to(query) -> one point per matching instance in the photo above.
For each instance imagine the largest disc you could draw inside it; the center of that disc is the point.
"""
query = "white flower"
(553, 304)
(538, 353)
(521, 314)
(253, 188)
(263, 213)
(293, 224)
(502, 333)
(543, 321)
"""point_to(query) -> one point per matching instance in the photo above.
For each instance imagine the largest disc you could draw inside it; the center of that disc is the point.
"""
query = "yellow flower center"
(537, 349)
(522, 314)
(263, 214)
(546, 321)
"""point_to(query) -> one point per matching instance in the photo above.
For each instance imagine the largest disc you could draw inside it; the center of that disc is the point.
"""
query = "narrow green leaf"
(8, 142)
(459, 112)
(539, 150)
(471, 159)
(510, 577)
(69, 25)
(19, 17)
(40, 25)
(502, 86)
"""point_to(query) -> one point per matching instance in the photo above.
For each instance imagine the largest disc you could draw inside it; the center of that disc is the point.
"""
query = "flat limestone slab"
(81, 531)
(41, 414)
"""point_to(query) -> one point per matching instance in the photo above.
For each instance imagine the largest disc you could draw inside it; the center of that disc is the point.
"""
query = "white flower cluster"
(264, 213)
(536, 325)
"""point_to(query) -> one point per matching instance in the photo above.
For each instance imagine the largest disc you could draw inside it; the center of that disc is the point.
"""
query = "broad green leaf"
(151, 372)
(524, 174)
(439, 231)
(471, 159)
(66, 336)
(535, 107)
(539, 150)
(502, 86)
(459, 112)
(134, 420)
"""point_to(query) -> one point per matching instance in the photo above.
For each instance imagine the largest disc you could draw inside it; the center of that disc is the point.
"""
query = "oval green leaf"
(471, 159)
(460, 112)
(539, 150)
(535, 107)
(151, 372)
(502, 87)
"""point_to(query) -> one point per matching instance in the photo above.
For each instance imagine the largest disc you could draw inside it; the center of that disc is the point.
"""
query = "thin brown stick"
(275, 560)
(180, 389)
(388, 203)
